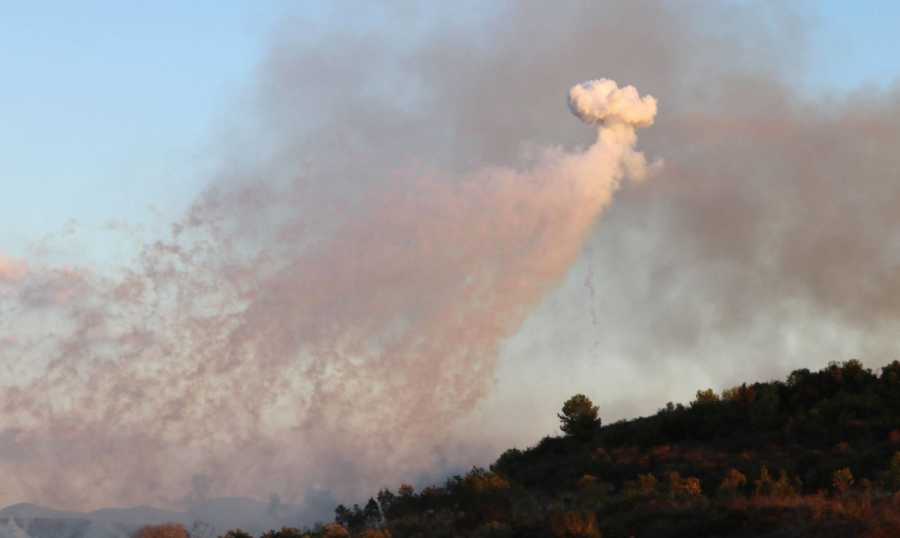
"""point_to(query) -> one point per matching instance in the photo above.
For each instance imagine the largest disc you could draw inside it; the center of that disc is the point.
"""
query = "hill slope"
(815, 455)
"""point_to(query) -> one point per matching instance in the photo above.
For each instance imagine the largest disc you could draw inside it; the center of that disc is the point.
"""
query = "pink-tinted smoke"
(307, 357)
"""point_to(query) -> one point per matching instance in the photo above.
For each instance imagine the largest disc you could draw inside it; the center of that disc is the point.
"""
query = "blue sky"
(856, 43)
(108, 108)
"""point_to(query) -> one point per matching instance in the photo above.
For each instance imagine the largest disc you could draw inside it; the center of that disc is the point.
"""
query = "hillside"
(815, 455)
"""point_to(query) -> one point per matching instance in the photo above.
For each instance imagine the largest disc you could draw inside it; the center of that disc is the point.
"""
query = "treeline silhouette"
(815, 455)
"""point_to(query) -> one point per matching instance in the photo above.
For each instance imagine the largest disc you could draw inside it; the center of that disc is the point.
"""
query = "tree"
(647, 484)
(579, 418)
(732, 483)
(237, 533)
(894, 473)
(372, 514)
(707, 396)
(342, 515)
(765, 485)
(842, 480)
(375, 533)
(333, 530)
(386, 501)
(574, 525)
(285, 532)
(683, 488)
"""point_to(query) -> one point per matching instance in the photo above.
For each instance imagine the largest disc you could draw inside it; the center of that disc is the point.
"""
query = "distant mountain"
(205, 519)
(144, 514)
(36, 511)
(252, 515)
(38, 527)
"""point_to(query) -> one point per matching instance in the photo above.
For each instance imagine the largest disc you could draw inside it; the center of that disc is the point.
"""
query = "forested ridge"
(817, 454)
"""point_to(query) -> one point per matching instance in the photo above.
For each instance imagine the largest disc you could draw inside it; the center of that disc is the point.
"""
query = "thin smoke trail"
(592, 295)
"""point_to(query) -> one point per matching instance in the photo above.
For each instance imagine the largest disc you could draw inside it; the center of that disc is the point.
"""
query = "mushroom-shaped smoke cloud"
(602, 102)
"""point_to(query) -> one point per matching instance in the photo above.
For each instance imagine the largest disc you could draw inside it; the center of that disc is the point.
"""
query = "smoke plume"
(353, 354)
(11, 270)
(603, 103)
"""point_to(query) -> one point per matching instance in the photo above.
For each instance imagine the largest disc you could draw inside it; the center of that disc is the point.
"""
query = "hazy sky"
(109, 108)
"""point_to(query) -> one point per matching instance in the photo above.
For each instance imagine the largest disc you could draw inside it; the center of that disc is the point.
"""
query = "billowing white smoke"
(618, 112)
(602, 102)
(339, 364)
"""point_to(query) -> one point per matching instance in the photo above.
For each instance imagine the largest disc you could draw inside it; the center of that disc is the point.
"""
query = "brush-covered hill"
(815, 455)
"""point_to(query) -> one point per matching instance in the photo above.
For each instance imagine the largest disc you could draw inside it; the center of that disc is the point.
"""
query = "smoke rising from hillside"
(393, 213)
(256, 362)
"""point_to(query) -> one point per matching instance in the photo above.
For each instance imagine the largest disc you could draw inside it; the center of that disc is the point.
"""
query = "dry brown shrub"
(893, 473)
(587, 481)
(887, 521)
(375, 533)
(574, 525)
(842, 480)
(894, 437)
(764, 484)
(647, 484)
(732, 482)
(485, 482)
(600, 454)
(662, 452)
(168, 530)
(333, 530)
(785, 486)
(626, 455)
(684, 487)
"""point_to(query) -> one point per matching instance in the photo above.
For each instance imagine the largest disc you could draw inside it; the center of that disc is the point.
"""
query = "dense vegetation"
(816, 455)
